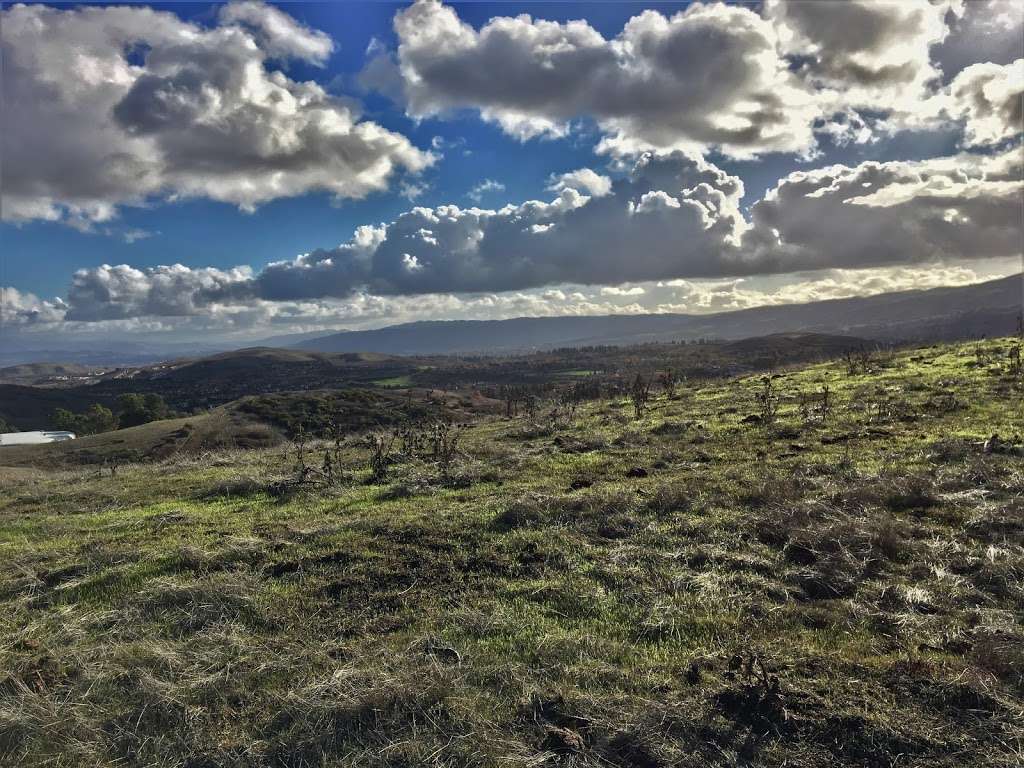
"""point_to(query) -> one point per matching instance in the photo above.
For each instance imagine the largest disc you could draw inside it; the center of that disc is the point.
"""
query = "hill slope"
(203, 383)
(834, 586)
(952, 313)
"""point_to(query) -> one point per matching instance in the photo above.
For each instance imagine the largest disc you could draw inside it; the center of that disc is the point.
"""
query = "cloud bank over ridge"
(670, 217)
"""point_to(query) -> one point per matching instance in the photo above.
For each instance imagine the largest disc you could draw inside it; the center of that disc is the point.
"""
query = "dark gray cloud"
(87, 127)
(868, 48)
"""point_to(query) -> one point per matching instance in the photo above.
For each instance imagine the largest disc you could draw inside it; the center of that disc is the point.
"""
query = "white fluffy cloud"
(107, 106)
(672, 216)
(990, 99)
(278, 34)
(477, 193)
(963, 207)
(114, 293)
(20, 308)
(709, 76)
(583, 179)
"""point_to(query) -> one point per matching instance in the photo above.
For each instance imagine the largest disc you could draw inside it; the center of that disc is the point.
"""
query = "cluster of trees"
(131, 411)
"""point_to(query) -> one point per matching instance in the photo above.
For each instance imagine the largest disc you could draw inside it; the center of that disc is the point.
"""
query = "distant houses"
(34, 438)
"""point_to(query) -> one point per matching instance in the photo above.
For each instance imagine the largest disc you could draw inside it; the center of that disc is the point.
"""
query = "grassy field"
(694, 587)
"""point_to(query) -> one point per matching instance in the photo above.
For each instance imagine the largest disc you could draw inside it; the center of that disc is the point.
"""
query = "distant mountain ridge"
(972, 311)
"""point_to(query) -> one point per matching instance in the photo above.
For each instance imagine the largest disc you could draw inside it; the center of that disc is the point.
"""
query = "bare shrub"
(381, 446)
(640, 394)
(767, 401)
(445, 440)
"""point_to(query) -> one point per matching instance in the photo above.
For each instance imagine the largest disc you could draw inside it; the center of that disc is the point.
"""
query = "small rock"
(636, 472)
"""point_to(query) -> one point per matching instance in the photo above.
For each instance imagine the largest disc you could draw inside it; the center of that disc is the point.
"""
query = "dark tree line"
(131, 411)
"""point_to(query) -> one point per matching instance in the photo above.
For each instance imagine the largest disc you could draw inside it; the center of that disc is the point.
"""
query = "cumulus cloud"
(20, 308)
(672, 216)
(709, 76)
(118, 292)
(584, 180)
(574, 237)
(963, 207)
(872, 51)
(990, 99)
(106, 106)
(277, 33)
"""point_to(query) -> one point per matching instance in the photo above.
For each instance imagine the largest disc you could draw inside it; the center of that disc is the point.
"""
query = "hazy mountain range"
(985, 309)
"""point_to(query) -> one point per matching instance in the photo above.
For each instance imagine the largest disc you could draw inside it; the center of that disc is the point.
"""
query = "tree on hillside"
(66, 420)
(134, 409)
(97, 418)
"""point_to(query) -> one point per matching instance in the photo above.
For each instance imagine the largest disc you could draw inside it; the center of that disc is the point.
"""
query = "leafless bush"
(381, 446)
(859, 359)
(445, 440)
(767, 401)
(668, 381)
(817, 406)
(1015, 364)
(640, 393)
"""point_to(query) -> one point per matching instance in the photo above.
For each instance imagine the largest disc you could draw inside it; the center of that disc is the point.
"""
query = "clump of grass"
(831, 551)
(910, 493)
(190, 606)
(607, 513)
(670, 498)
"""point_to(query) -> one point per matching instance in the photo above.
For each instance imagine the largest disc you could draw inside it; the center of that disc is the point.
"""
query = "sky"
(241, 170)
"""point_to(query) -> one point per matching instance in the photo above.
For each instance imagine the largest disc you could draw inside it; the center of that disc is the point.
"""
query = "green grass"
(844, 591)
(395, 382)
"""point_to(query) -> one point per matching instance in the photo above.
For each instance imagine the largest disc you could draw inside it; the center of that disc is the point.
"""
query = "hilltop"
(821, 567)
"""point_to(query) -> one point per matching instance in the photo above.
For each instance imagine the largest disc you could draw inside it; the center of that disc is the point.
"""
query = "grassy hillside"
(694, 587)
(199, 384)
(259, 421)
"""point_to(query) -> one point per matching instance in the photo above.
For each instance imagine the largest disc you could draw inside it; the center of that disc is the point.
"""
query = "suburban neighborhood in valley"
(512, 384)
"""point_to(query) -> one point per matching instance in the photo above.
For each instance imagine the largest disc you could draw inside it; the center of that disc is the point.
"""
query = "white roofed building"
(34, 438)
